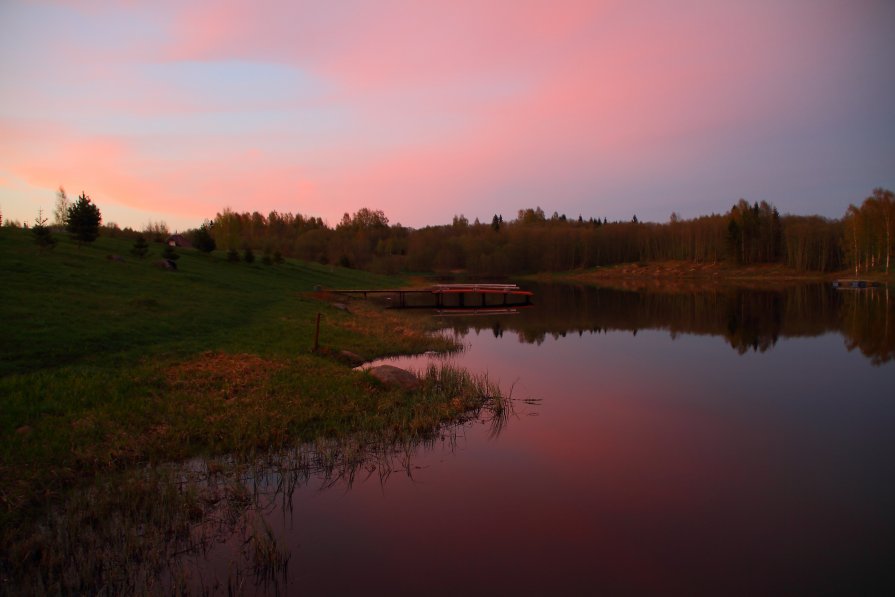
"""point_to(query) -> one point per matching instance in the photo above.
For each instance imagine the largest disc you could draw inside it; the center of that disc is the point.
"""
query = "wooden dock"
(459, 296)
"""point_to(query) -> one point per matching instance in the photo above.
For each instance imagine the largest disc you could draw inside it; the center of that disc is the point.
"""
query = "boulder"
(168, 264)
(353, 358)
(395, 376)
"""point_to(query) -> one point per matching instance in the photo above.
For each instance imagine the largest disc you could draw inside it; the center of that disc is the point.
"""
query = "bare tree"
(60, 213)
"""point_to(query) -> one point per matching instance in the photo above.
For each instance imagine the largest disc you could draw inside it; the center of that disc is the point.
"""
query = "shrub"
(141, 247)
(170, 253)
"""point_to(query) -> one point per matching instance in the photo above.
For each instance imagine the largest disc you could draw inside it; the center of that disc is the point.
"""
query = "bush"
(170, 253)
(202, 238)
(141, 247)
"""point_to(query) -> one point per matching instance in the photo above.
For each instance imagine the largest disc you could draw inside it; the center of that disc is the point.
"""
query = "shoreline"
(124, 367)
(684, 275)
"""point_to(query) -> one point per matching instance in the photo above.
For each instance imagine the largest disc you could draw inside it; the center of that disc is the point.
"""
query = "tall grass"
(148, 529)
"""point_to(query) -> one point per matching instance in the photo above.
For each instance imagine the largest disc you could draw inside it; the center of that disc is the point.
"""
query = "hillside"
(105, 363)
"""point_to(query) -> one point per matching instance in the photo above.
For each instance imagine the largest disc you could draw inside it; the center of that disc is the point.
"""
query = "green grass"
(112, 370)
(105, 364)
(73, 305)
(125, 533)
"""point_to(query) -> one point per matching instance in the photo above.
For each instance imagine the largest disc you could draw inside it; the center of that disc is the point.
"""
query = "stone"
(353, 358)
(395, 376)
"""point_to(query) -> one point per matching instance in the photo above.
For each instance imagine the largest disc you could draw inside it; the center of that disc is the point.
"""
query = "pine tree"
(43, 236)
(248, 255)
(141, 247)
(170, 253)
(83, 220)
(202, 238)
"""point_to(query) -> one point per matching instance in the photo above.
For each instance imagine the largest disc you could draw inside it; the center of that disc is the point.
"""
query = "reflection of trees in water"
(748, 319)
(868, 323)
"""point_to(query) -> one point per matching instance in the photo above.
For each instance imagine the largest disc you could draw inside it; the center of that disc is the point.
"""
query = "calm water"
(732, 442)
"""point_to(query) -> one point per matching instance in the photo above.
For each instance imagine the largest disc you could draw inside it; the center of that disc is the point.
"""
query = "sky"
(171, 110)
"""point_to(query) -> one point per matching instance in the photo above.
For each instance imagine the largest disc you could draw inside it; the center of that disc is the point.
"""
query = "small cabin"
(178, 240)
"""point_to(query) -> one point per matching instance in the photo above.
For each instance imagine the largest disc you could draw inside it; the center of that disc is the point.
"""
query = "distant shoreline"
(673, 274)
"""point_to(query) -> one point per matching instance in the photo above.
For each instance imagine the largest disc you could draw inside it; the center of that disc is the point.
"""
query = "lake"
(720, 441)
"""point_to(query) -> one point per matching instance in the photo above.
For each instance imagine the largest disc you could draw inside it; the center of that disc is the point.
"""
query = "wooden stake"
(317, 334)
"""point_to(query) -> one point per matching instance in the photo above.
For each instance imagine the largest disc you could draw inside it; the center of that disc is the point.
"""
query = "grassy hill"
(75, 305)
(105, 363)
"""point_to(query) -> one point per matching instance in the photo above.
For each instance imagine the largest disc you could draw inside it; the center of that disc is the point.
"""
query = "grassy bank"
(685, 275)
(108, 363)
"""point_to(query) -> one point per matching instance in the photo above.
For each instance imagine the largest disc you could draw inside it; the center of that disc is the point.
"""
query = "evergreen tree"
(141, 247)
(43, 236)
(202, 238)
(83, 220)
(170, 253)
(248, 255)
(233, 255)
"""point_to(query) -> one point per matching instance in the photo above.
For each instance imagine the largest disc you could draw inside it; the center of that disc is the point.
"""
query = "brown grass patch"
(686, 276)
(227, 375)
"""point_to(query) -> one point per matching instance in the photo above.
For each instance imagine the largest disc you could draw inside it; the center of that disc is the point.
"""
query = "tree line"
(749, 233)
(533, 242)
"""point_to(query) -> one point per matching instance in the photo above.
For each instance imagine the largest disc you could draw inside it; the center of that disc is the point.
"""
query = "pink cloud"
(118, 170)
(415, 107)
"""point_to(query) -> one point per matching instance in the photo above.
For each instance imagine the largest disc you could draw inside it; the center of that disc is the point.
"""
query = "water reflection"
(245, 510)
(658, 463)
(748, 320)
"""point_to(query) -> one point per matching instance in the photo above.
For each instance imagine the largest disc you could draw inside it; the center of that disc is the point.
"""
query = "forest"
(533, 242)
(747, 234)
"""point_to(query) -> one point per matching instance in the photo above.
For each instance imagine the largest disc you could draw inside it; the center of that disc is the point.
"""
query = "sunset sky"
(172, 110)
